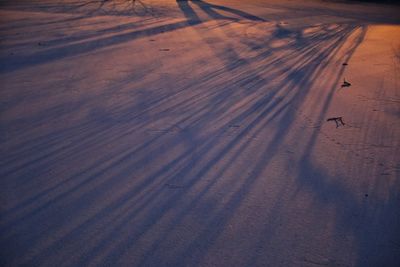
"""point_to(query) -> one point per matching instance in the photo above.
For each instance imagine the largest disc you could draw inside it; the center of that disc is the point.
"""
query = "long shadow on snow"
(185, 170)
(217, 221)
(147, 202)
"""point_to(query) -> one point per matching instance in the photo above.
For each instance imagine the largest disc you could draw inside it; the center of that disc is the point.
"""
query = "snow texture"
(199, 133)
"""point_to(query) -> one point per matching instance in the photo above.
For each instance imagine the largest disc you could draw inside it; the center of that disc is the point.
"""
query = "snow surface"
(194, 133)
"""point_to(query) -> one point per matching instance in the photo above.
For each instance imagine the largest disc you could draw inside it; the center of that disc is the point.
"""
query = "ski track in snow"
(195, 133)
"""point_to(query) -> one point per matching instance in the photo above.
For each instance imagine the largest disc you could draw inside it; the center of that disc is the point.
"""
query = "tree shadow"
(213, 11)
(169, 193)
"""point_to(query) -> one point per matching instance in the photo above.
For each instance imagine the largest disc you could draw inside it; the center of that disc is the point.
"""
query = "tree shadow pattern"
(177, 176)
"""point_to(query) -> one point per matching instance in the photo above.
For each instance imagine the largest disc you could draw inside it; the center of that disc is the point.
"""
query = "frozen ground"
(194, 133)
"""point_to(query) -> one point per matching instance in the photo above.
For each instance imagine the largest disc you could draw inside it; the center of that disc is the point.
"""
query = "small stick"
(345, 83)
(338, 120)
